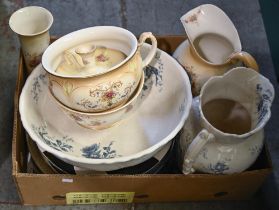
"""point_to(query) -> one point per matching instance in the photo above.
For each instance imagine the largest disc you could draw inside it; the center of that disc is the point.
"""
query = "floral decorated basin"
(165, 103)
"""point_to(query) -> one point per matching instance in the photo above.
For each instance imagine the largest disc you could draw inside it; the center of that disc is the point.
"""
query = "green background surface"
(270, 14)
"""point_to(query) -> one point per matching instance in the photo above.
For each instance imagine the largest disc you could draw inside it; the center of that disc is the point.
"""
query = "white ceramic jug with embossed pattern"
(206, 148)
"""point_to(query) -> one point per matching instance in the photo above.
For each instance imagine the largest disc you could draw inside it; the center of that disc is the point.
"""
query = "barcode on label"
(99, 197)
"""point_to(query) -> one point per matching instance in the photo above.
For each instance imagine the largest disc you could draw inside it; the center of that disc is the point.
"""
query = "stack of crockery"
(102, 101)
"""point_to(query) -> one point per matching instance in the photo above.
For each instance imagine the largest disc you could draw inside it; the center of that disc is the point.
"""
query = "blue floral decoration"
(255, 150)
(60, 144)
(264, 102)
(154, 73)
(204, 154)
(219, 167)
(182, 106)
(36, 86)
(95, 151)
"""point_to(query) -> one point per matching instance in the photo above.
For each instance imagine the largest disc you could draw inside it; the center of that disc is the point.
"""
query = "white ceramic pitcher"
(213, 151)
(213, 45)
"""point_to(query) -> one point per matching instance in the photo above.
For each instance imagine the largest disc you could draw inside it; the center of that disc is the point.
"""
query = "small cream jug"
(217, 152)
(213, 46)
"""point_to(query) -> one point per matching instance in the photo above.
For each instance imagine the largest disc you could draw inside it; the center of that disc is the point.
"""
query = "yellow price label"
(99, 197)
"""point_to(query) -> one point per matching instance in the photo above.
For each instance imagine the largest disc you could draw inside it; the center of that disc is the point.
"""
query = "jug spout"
(209, 30)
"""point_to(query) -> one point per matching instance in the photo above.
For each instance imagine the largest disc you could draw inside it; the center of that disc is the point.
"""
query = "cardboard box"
(50, 189)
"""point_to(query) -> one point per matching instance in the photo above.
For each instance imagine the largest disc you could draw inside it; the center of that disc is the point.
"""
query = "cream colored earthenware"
(207, 149)
(32, 24)
(106, 119)
(165, 102)
(103, 89)
(217, 50)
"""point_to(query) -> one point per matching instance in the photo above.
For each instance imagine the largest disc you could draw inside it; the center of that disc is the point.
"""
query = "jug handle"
(248, 60)
(152, 52)
(194, 149)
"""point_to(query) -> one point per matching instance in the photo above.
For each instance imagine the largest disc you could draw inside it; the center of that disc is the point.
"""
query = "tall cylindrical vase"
(32, 25)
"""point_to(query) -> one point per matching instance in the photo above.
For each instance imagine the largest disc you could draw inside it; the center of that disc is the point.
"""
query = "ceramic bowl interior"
(31, 20)
(120, 107)
(245, 86)
(108, 36)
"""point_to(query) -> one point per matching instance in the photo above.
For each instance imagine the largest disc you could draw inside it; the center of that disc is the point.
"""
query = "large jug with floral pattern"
(208, 149)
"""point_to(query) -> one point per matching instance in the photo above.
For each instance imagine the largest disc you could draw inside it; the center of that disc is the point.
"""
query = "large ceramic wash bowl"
(165, 103)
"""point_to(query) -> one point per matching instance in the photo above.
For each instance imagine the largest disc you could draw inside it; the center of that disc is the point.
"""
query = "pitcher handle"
(152, 52)
(194, 149)
(248, 60)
